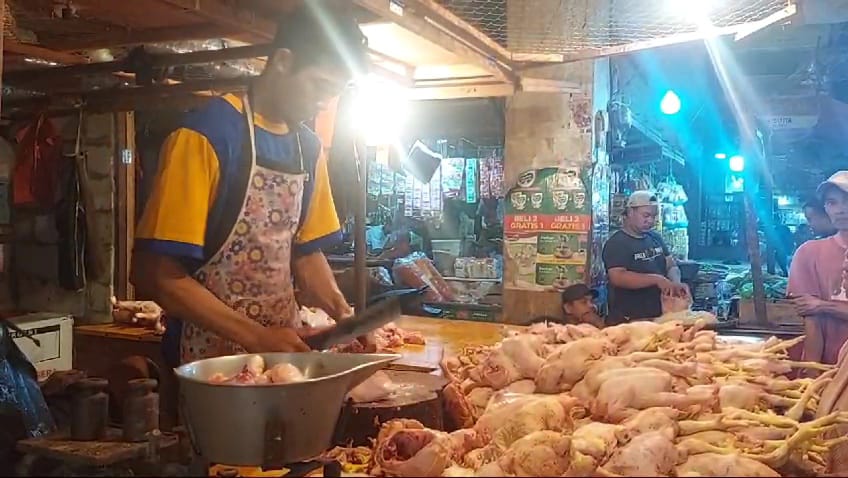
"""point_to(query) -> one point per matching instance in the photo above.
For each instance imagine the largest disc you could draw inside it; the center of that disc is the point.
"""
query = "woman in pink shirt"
(817, 278)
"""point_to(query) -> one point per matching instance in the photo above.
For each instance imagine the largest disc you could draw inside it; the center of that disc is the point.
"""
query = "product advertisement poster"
(546, 228)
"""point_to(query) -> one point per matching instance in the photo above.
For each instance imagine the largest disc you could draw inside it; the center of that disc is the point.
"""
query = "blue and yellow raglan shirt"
(202, 177)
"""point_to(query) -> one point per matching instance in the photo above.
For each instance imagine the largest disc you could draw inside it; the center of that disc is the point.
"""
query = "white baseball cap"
(643, 198)
(839, 180)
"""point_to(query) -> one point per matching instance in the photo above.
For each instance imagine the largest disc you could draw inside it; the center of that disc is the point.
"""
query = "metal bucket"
(269, 425)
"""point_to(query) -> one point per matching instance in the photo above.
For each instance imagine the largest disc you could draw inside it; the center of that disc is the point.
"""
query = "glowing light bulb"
(670, 103)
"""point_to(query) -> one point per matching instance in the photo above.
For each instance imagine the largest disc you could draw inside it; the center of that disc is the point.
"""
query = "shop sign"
(777, 123)
(546, 227)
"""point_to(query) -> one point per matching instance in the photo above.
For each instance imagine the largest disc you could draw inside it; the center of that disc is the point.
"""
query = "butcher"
(241, 205)
(639, 265)
(817, 278)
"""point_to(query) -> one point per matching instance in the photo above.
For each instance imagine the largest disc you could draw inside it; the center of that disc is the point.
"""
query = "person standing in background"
(639, 265)
(816, 279)
(818, 219)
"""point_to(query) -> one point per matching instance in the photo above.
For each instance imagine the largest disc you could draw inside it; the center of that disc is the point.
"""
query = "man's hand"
(278, 339)
(807, 305)
(674, 289)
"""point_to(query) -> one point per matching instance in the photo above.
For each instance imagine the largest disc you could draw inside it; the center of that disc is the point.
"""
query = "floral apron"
(251, 272)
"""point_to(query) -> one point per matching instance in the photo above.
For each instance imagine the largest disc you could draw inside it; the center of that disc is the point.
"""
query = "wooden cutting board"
(420, 358)
(418, 397)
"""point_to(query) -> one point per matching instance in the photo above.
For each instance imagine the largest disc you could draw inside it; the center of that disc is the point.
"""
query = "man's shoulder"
(219, 120)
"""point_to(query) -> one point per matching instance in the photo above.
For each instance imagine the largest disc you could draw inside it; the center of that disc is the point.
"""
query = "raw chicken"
(649, 454)
(284, 373)
(568, 364)
(714, 464)
(542, 453)
(597, 440)
(375, 388)
(405, 448)
(254, 373)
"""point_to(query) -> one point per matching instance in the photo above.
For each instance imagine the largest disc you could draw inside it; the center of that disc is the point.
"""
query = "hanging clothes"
(38, 164)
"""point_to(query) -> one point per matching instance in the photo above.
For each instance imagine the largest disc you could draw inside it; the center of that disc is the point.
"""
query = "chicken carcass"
(714, 464)
(568, 364)
(252, 373)
(405, 448)
(517, 358)
(512, 417)
(649, 454)
(541, 453)
(626, 391)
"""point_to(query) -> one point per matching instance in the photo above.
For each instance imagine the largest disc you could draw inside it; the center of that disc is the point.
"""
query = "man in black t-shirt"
(639, 265)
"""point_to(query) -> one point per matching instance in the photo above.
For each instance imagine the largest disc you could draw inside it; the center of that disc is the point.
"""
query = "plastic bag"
(23, 410)
(416, 271)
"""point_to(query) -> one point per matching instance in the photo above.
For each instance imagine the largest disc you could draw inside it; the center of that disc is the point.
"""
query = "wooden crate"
(780, 311)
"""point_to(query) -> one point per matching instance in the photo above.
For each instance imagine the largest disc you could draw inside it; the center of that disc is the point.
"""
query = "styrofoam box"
(55, 334)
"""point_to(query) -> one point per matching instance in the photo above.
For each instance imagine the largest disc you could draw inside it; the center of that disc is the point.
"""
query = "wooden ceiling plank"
(229, 14)
(427, 30)
(41, 53)
(448, 92)
(120, 38)
(156, 61)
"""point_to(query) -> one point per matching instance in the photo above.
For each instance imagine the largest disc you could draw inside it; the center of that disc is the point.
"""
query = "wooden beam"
(127, 99)
(125, 167)
(157, 60)
(231, 14)
(429, 31)
(122, 37)
(41, 53)
(448, 92)
(541, 85)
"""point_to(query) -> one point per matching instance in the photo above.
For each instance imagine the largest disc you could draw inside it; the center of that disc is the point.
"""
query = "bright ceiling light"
(670, 103)
(720, 156)
(381, 110)
(695, 12)
(737, 164)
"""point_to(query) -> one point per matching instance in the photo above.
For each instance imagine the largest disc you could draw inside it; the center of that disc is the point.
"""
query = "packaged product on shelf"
(416, 270)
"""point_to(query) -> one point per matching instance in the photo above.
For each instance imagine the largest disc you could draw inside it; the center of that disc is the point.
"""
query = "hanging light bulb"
(670, 103)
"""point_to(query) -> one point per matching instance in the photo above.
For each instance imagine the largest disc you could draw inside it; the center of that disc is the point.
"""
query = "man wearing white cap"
(639, 264)
(817, 278)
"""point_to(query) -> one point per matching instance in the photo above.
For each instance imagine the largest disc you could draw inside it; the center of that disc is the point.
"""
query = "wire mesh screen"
(586, 26)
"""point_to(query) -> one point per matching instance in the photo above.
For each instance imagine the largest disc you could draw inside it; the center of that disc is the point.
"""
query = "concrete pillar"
(543, 130)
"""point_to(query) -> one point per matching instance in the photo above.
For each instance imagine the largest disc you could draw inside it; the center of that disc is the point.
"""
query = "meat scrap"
(388, 338)
(254, 373)
(375, 388)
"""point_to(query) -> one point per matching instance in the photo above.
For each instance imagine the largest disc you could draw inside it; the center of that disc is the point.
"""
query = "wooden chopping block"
(419, 397)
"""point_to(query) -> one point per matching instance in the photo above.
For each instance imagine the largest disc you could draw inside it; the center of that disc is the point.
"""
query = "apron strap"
(221, 226)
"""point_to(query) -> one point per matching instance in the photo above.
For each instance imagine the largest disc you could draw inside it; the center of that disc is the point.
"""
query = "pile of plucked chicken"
(639, 399)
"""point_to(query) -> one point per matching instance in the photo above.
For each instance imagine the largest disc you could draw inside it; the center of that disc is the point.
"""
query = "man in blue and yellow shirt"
(241, 203)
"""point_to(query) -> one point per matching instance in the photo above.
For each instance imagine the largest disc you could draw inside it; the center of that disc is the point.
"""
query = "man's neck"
(263, 107)
(630, 231)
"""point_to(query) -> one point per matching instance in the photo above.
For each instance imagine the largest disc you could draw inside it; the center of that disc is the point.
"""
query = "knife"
(346, 331)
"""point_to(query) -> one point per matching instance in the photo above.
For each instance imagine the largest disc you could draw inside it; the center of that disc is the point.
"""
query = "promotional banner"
(546, 228)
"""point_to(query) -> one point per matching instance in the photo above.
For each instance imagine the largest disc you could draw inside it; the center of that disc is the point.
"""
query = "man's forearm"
(674, 275)
(165, 282)
(318, 286)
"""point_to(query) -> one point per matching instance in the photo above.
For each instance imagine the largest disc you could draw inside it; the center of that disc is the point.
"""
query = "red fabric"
(36, 176)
